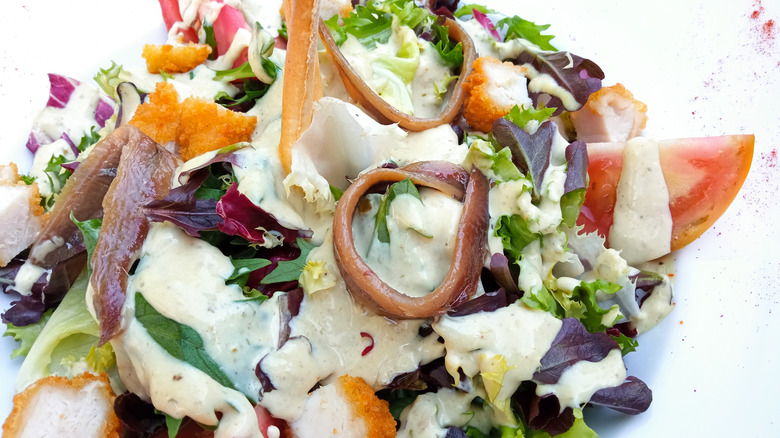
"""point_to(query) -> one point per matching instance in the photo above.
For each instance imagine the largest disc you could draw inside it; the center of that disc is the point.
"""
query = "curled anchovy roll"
(384, 112)
(468, 255)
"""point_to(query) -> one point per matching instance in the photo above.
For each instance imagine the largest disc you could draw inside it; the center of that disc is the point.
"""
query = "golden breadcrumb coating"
(175, 59)
(81, 394)
(374, 411)
(482, 107)
(207, 126)
(197, 125)
(159, 116)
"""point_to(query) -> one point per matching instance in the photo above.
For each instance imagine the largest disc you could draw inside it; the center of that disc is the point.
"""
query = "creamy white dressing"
(580, 381)
(422, 94)
(343, 141)
(642, 222)
(432, 413)
(430, 84)
(520, 335)
(48, 182)
(198, 83)
(177, 272)
(655, 308)
(327, 411)
(327, 342)
(26, 277)
(75, 119)
(422, 238)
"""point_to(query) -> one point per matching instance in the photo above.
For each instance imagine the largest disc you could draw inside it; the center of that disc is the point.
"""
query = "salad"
(316, 274)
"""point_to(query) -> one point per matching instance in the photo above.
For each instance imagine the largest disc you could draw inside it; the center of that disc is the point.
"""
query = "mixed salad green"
(238, 285)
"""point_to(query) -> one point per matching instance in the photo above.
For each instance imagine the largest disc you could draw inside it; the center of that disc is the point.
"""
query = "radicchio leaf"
(632, 397)
(61, 89)
(530, 153)
(572, 344)
(486, 23)
(576, 76)
(242, 217)
(103, 112)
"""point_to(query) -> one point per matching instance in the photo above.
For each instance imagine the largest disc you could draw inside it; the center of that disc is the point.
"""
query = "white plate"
(702, 70)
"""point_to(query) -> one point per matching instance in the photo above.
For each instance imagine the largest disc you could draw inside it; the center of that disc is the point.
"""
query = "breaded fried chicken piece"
(611, 114)
(492, 89)
(55, 406)
(346, 408)
(21, 214)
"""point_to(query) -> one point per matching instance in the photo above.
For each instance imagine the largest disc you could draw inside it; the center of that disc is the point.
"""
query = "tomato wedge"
(172, 15)
(703, 176)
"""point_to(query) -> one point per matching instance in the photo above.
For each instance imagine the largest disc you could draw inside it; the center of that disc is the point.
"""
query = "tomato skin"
(171, 15)
(228, 22)
(703, 176)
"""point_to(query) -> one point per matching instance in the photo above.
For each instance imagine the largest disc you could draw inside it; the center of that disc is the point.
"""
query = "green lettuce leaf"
(521, 116)
(515, 235)
(451, 54)
(68, 337)
(517, 27)
(26, 335)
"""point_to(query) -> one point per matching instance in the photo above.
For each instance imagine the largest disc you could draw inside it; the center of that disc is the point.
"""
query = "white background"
(703, 67)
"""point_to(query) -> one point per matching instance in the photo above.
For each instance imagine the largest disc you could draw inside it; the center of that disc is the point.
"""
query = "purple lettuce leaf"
(503, 273)
(530, 153)
(182, 208)
(632, 397)
(439, 6)
(577, 167)
(577, 76)
(487, 302)
(572, 344)
(225, 155)
(541, 413)
(546, 414)
(139, 418)
(455, 432)
(242, 217)
(46, 292)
